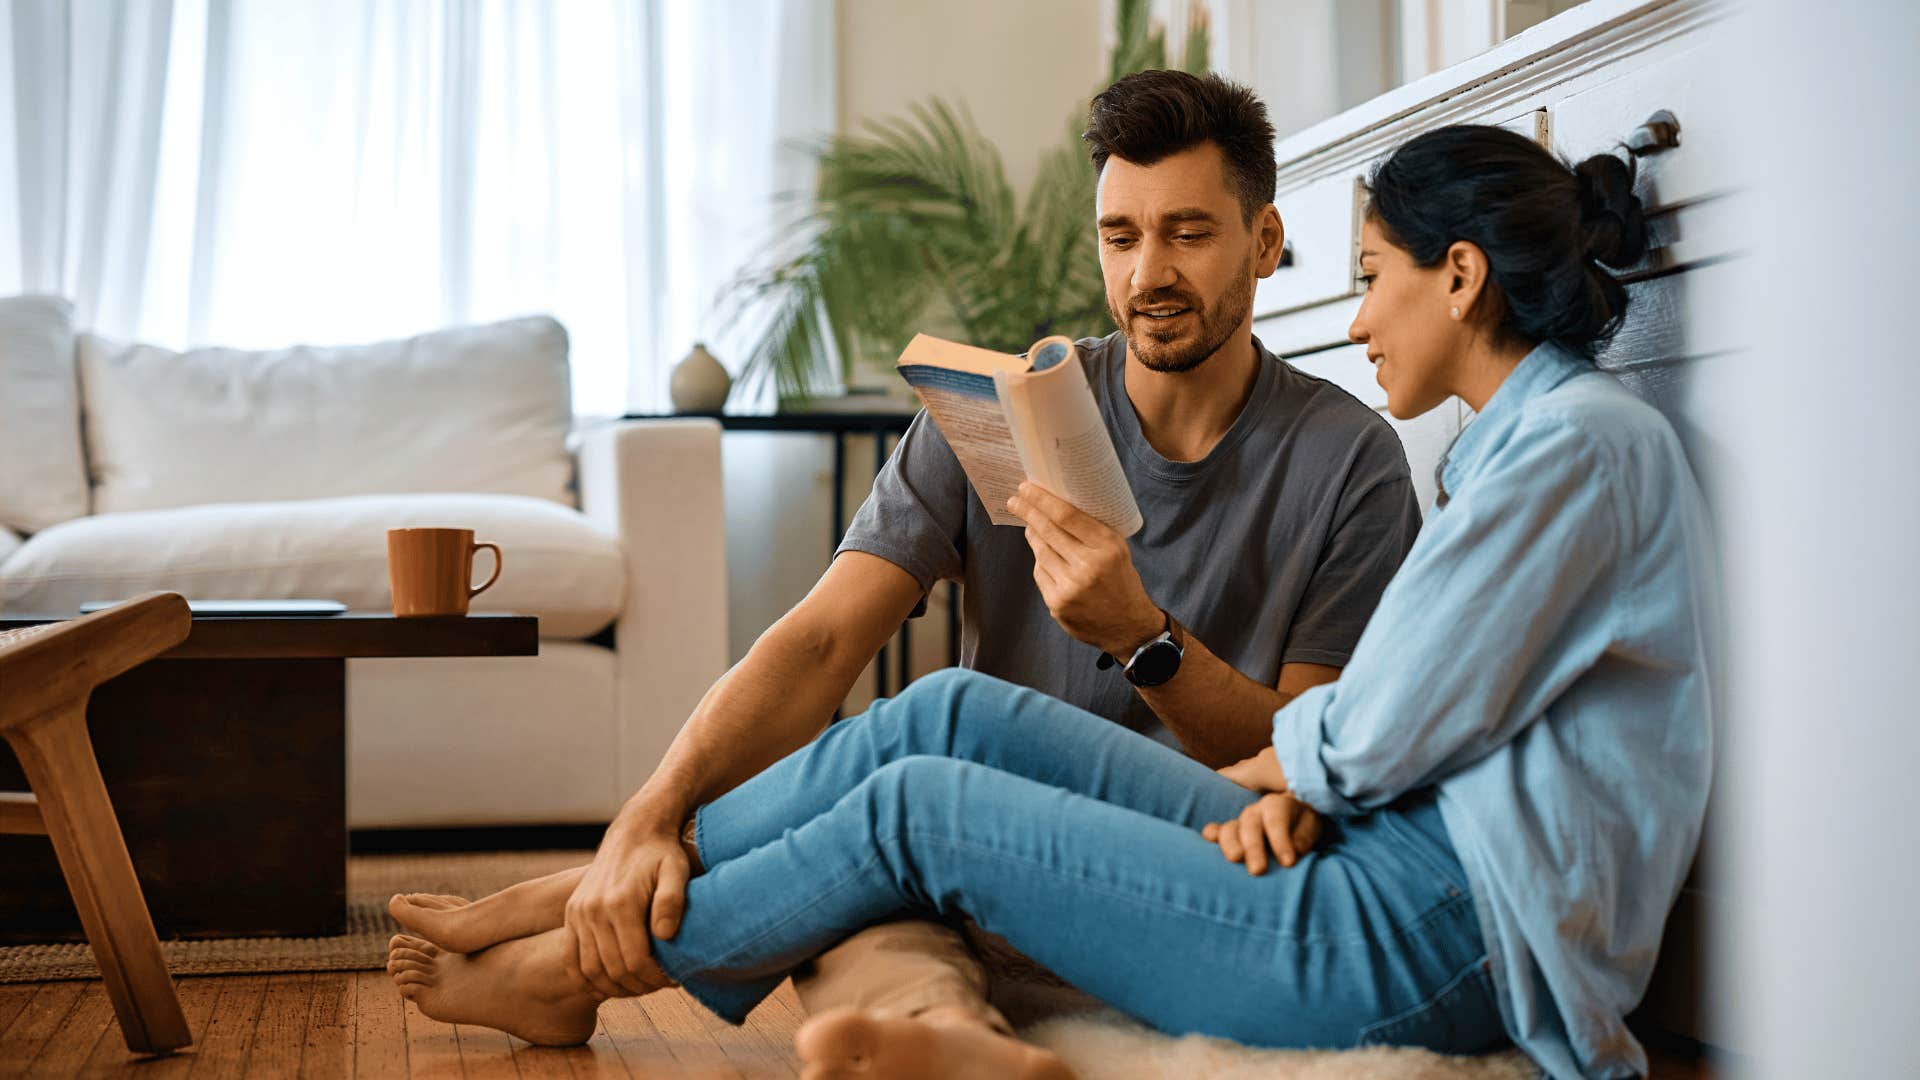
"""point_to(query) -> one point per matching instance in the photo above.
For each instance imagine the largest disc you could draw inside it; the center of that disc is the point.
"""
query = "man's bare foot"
(940, 1044)
(531, 907)
(530, 986)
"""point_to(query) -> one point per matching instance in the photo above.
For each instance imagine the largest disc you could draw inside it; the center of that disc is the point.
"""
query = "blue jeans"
(1078, 841)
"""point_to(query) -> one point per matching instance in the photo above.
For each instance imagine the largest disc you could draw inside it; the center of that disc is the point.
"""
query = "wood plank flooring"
(353, 1024)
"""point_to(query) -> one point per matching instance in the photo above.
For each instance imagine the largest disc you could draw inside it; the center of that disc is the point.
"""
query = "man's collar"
(1546, 367)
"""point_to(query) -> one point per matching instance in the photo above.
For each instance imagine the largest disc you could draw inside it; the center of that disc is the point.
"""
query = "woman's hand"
(1279, 822)
(1259, 773)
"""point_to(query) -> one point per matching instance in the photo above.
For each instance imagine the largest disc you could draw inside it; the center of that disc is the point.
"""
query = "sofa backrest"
(471, 409)
(43, 475)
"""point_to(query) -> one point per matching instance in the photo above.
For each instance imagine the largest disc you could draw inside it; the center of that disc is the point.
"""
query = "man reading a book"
(1276, 509)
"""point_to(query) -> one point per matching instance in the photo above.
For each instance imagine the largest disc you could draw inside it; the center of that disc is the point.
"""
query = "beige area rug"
(371, 879)
(1100, 1043)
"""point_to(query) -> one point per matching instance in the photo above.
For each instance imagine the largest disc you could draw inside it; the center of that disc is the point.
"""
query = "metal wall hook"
(1660, 132)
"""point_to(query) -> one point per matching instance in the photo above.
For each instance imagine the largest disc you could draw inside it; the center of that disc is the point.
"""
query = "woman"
(1483, 822)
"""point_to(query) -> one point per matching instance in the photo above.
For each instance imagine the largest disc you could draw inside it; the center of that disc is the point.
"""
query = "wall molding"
(1543, 64)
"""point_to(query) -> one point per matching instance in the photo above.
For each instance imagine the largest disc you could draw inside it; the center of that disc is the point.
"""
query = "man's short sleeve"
(1374, 528)
(916, 517)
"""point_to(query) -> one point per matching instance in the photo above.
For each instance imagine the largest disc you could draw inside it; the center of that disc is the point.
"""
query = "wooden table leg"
(57, 757)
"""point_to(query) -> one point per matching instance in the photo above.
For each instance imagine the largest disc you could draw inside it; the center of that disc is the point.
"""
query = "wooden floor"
(353, 1024)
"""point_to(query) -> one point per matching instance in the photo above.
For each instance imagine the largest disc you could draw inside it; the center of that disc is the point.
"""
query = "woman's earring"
(1456, 313)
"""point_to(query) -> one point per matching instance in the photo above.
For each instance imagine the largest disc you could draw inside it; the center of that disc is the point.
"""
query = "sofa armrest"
(655, 485)
(9, 543)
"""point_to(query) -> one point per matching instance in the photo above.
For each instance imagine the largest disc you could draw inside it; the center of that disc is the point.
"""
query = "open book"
(1010, 419)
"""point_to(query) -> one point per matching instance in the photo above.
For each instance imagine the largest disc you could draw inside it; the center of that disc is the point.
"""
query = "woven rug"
(371, 879)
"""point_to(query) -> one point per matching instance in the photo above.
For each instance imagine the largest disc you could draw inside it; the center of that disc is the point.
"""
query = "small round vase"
(699, 383)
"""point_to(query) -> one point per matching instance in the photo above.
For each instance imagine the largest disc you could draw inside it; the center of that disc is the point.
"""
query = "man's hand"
(638, 872)
(1259, 773)
(1086, 575)
(1278, 821)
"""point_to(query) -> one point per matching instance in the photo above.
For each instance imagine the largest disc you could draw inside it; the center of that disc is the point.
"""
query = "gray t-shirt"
(1272, 549)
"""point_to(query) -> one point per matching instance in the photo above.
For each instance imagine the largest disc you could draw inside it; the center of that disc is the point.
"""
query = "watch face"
(1155, 664)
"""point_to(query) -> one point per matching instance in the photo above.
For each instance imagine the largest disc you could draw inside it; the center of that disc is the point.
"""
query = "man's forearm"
(1219, 715)
(774, 701)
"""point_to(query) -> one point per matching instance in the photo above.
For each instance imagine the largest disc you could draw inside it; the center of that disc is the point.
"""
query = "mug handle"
(497, 563)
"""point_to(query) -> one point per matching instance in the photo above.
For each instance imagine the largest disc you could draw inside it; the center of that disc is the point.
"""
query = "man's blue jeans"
(1078, 841)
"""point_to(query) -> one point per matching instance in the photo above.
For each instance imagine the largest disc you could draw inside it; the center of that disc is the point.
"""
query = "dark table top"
(353, 634)
(845, 423)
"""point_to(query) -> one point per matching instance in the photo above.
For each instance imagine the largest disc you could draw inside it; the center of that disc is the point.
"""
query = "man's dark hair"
(1155, 114)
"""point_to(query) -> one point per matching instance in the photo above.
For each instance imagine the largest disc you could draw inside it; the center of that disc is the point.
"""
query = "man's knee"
(933, 712)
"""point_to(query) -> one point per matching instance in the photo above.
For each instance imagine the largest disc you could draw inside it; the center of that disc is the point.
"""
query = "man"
(1277, 507)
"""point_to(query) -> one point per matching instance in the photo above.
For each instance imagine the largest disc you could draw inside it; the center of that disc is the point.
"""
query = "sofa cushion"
(9, 543)
(558, 566)
(43, 477)
(472, 409)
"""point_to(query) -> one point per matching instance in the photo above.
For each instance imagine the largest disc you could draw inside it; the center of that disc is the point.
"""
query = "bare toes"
(417, 944)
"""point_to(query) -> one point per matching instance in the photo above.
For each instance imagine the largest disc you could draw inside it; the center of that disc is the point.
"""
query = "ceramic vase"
(699, 383)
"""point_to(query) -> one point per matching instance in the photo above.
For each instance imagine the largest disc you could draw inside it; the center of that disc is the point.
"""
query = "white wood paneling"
(1551, 62)
(1657, 329)
(1322, 228)
(1598, 120)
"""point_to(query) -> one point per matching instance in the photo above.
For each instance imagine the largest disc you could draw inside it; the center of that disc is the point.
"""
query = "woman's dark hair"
(1151, 115)
(1545, 227)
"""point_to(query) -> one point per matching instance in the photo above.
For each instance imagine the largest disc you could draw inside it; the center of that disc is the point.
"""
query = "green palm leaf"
(914, 225)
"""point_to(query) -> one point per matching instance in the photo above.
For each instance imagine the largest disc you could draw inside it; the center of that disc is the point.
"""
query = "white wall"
(1020, 67)
(1821, 743)
(1023, 70)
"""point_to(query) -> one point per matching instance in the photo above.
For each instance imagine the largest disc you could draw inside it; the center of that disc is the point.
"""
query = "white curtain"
(261, 172)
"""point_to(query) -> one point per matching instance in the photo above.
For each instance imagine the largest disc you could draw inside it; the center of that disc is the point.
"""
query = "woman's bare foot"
(528, 987)
(940, 1044)
(462, 926)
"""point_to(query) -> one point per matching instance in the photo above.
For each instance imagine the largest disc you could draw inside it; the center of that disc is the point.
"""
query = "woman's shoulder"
(1598, 409)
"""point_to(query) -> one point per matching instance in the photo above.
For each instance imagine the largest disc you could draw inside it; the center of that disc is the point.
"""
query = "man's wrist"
(1140, 631)
(648, 814)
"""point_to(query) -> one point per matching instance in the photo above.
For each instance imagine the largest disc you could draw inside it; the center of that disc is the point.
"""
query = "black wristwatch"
(1153, 663)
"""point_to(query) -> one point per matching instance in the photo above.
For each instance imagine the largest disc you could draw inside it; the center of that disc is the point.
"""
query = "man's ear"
(1467, 271)
(1270, 237)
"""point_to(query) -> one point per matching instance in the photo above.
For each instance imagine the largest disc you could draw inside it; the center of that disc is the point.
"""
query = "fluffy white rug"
(1106, 1045)
(1102, 1043)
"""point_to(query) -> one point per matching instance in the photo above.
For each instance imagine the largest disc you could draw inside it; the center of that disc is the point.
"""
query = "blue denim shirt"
(1541, 660)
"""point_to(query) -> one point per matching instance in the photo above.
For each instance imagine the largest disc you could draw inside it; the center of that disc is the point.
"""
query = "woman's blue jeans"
(1078, 841)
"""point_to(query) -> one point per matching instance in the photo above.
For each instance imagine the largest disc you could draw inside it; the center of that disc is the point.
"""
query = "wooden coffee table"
(226, 762)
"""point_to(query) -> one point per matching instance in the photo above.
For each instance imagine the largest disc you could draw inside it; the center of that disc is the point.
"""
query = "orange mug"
(431, 570)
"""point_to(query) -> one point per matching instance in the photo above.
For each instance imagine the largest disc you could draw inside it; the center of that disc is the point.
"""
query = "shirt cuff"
(1298, 731)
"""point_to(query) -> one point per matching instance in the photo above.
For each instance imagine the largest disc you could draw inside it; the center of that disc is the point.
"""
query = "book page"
(964, 405)
(1009, 419)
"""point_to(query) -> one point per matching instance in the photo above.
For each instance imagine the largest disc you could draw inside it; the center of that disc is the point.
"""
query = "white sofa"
(218, 473)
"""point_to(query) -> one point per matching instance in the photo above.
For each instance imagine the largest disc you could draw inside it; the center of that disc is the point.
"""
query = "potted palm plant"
(914, 226)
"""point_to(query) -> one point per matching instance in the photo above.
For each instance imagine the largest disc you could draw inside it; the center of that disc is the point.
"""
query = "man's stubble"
(1217, 324)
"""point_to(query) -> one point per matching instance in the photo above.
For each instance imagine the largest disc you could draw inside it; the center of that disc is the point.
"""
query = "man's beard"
(1217, 323)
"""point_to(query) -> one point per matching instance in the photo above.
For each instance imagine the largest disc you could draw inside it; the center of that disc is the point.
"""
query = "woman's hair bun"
(1611, 218)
